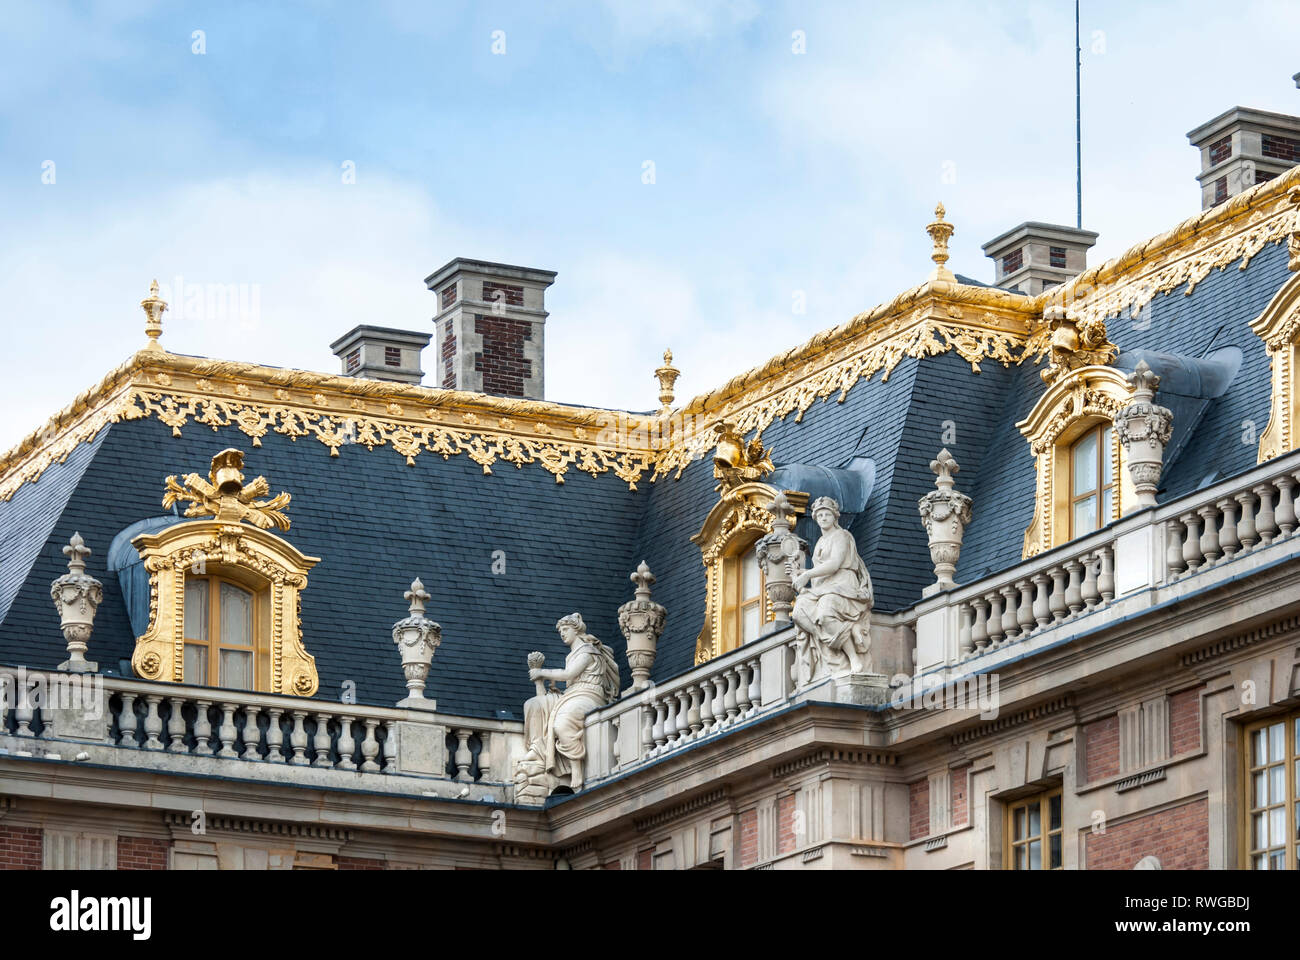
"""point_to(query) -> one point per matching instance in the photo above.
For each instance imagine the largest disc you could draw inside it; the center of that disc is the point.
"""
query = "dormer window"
(744, 611)
(1092, 481)
(225, 634)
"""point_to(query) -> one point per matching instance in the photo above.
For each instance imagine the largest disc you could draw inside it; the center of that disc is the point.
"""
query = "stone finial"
(642, 621)
(417, 640)
(153, 310)
(667, 376)
(940, 232)
(1144, 427)
(780, 553)
(77, 596)
(945, 513)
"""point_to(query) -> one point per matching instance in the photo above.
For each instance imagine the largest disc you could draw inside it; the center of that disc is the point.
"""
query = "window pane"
(1054, 852)
(749, 622)
(1277, 860)
(1020, 823)
(1277, 826)
(1054, 813)
(1261, 862)
(196, 661)
(1277, 778)
(1259, 831)
(1107, 470)
(196, 610)
(1276, 744)
(1035, 821)
(1035, 855)
(236, 616)
(1020, 859)
(1261, 790)
(1260, 753)
(749, 576)
(1085, 515)
(237, 669)
(1107, 505)
(1085, 464)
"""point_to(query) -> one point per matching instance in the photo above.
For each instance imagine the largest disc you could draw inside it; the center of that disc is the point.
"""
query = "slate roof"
(377, 522)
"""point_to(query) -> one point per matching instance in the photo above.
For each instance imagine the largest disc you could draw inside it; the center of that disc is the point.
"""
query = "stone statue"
(554, 721)
(832, 612)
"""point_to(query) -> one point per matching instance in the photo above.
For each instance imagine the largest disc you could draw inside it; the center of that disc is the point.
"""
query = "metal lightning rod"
(1078, 125)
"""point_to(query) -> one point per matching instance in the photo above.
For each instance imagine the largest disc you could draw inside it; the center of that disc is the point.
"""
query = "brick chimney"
(1034, 257)
(490, 327)
(1242, 147)
(381, 353)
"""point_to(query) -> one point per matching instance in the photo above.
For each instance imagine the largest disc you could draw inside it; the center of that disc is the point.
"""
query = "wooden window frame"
(1102, 516)
(261, 647)
(1291, 790)
(1009, 842)
(734, 604)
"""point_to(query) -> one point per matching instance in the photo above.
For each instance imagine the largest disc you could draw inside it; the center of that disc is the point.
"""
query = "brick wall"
(1180, 837)
(502, 361)
(449, 359)
(20, 848)
(359, 863)
(1101, 749)
(645, 859)
(785, 838)
(957, 793)
(613, 865)
(749, 838)
(918, 802)
(1185, 721)
(507, 293)
(142, 853)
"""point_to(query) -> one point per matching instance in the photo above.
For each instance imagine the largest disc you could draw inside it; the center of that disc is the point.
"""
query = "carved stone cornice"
(824, 755)
(183, 822)
(1055, 705)
(655, 820)
(1236, 641)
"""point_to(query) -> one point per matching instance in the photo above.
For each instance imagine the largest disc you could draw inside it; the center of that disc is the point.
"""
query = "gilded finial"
(940, 231)
(224, 494)
(1293, 241)
(667, 375)
(153, 310)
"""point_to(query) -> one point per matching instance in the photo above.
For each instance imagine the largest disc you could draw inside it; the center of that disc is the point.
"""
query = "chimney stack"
(1034, 257)
(1242, 147)
(381, 353)
(489, 328)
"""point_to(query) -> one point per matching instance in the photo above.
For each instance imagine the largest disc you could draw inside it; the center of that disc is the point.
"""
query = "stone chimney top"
(381, 353)
(1242, 147)
(1034, 257)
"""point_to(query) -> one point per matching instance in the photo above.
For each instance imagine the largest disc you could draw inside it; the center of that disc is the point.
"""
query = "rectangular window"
(1272, 797)
(1034, 833)
(1056, 257)
(1221, 150)
(226, 630)
(448, 295)
(354, 361)
(1013, 261)
(392, 356)
(1281, 148)
(1220, 190)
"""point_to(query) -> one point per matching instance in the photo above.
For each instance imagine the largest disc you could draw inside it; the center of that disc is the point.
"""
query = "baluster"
(683, 715)
(1210, 536)
(485, 753)
(274, 736)
(252, 735)
(389, 751)
(755, 687)
(660, 724)
(370, 747)
(1285, 515)
(742, 689)
(965, 617)
(1025, 612)
(176, 726)
(1106, 578)
(1057, 602)
(707, 717)
(1074, 591)
(1088, 591)
(1264, 518)
(1192, 545)
(729, 698)
(321, 741)
(298, 739)
(693, 712)
(1174, 562)
(1042, 587)
(670, 718)
(463, 756)
(647, 730)
(24, 711)
(1246, 532)
(720, 699)
(979, 631)
(347, 744)
(153, 724)
(125, 721)
(202, 728)
(1228, 542)
(226, 732)
(1010, 620)
(995, 618)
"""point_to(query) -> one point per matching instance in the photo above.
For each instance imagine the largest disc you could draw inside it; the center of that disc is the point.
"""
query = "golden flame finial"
(667, 375)
(153, 310)
(225, 496)
(940, 231)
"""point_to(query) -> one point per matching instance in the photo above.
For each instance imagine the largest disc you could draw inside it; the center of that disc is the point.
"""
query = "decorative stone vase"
(945, 513)
(77, 596)
(780, 553)
(642, 621)
(1143, 427)
(417, 639)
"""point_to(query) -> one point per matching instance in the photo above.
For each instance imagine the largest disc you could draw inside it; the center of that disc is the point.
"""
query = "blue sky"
(777, 174)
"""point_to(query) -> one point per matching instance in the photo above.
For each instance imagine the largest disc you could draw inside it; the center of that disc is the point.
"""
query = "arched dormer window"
(224, 592)
(1083, 483)
(1279, 327)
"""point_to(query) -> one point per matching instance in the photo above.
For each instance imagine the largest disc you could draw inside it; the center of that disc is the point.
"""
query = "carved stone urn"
(945, 513)
(1143, 427)
(417, 638)
(780, 553)
(77, 596)
(642, 621)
